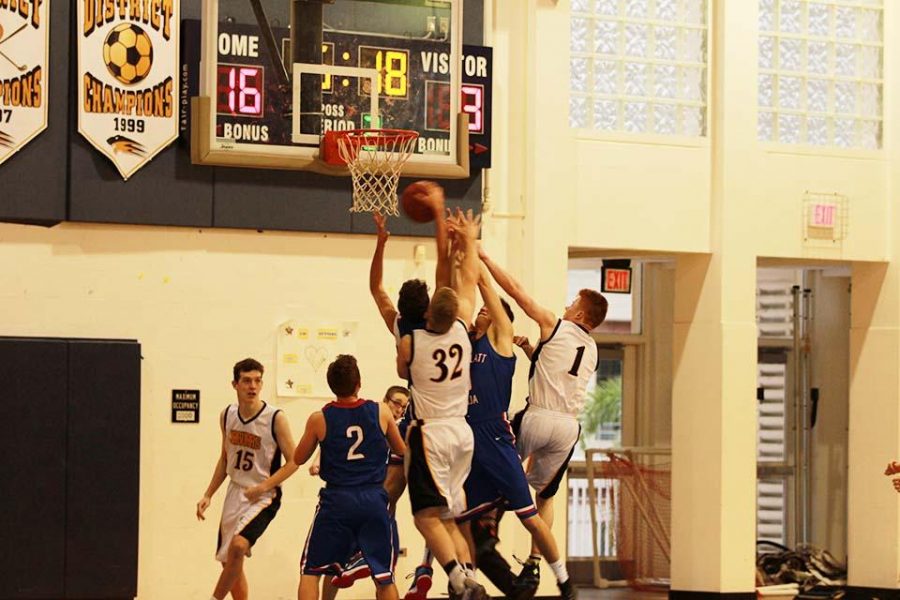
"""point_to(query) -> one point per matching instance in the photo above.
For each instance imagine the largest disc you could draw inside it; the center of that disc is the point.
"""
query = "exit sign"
(822, 214)
(616, 280)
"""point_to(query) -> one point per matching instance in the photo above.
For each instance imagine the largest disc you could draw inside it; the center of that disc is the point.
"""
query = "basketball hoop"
(375, 158)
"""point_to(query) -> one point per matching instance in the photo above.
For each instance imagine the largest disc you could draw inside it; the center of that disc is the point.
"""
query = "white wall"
(198, 301)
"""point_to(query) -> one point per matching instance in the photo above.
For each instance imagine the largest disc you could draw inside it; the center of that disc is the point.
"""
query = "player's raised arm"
(286, 446)
(545, 318)
(502, 324)
(391, 432)
(314, 433)
(218, 476)
(376, 272)
(466, 227)
(404, 356)
(433, 196)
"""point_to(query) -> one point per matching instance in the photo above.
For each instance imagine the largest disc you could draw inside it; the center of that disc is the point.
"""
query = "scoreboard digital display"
(251, 108)
(240, 90)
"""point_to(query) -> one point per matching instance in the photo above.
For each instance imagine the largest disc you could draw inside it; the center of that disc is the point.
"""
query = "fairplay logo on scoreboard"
(24, 51)
(127, 73)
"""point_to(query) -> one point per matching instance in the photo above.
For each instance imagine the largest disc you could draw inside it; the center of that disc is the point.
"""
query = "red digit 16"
(244, 96)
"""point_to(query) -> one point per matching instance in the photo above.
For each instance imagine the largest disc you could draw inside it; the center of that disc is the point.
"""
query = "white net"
(375, 158)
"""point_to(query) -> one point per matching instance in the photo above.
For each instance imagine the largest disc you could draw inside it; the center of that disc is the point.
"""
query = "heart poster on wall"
(304, 352)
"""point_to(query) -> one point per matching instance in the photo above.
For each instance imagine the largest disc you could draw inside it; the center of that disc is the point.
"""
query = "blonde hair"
(443, 310)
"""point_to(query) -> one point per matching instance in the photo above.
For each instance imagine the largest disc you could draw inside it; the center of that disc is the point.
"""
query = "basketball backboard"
(357, 64)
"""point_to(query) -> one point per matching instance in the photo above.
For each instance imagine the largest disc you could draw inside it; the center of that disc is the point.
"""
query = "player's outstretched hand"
(465, 223)
(383, 233)
(522, 342)
(253, 493)
(201, 508)
(314, 469)
(896, 482)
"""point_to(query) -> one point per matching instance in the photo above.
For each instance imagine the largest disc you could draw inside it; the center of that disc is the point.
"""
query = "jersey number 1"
(355, 431)
(577, 363)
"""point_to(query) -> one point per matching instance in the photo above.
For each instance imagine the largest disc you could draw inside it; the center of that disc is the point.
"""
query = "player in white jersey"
(255, 437)
(562, 364)
(436, 361)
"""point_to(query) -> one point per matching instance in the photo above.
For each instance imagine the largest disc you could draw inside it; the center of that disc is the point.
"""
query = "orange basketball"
(412, 202)
(1, 32)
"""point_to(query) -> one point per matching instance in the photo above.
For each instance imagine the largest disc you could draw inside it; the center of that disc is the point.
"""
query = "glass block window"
(639, 66)
(820, 72)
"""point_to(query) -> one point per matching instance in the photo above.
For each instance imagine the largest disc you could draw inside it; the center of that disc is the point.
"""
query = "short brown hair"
(443, 309)
(245, 366)
(395, 389)
(343, 376)
(594, 305)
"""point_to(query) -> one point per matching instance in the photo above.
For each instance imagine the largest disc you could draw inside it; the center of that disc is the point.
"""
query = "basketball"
(412, 203)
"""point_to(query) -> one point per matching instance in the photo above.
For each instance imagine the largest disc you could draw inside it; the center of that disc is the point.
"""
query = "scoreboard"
(248, 116)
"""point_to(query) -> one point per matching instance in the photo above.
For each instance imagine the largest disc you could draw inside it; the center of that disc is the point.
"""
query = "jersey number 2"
(355, 431)
(441, 357)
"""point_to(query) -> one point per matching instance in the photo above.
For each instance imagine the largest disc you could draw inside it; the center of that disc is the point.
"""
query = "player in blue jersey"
(402, 320)
(354, 435)
(412, 301)
(497, 477)
(396, 399)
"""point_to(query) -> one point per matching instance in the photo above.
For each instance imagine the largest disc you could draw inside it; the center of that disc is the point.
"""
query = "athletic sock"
(470, 570)
(534, 558)
(559, 569)
(456, 575)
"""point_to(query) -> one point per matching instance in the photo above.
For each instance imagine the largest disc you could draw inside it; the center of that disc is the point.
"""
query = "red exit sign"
(822, 215)
(616, 281)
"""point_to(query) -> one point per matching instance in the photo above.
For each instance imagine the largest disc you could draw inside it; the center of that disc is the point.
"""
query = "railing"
(580, 530)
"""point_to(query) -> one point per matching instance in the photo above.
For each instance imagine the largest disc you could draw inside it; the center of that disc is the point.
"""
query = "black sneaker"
(567, 590)
(529, 576)
(522, 593)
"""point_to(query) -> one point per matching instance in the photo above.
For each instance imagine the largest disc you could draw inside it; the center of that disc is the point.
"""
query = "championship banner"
(128, 92)
(24, 56)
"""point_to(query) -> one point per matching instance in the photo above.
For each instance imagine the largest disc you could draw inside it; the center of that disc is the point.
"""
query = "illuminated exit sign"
(822, 214)
(616, 280)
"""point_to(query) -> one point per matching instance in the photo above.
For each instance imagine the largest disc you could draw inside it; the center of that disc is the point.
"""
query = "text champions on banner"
(127, 78)
(24, 51)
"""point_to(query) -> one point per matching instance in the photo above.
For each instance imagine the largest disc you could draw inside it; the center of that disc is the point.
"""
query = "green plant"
(603, 406)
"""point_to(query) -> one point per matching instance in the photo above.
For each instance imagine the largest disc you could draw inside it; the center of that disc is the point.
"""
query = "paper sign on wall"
(128, 95)
(304, 352)
(24, 52)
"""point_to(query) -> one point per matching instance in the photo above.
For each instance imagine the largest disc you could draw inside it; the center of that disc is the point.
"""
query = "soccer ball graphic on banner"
(128, 53)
